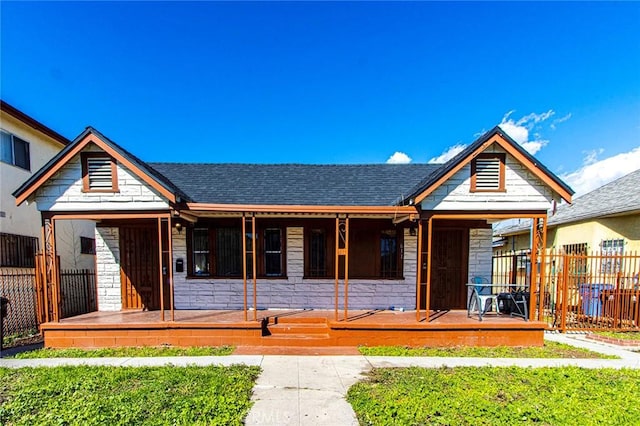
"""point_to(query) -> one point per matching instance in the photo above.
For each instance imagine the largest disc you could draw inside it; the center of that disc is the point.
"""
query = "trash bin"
(590, 295)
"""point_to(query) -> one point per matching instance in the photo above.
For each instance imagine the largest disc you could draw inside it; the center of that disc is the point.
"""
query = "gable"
(480, 147)
(67, 189)
(517, 189)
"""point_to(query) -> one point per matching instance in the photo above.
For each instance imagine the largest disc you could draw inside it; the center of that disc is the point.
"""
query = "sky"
(334, 82)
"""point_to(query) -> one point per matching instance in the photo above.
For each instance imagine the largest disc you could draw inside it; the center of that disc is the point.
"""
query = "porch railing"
(580, 291)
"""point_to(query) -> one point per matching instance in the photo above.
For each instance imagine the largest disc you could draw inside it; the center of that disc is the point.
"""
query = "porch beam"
(160, 275)
(386, 210)
(487, 215)
(419, 271)
(115, 215)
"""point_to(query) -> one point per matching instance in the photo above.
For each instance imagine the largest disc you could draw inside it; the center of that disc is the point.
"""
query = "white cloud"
(448, 154)
(594, 173)
(559, 120)
(521, 129)
(399, 158)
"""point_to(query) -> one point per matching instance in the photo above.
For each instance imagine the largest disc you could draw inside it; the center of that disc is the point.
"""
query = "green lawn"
(497, 396)
(126, 395)
(549, 350)
(126, 352)
(625, 335)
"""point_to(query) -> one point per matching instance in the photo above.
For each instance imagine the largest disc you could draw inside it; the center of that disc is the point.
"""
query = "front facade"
(251, 238)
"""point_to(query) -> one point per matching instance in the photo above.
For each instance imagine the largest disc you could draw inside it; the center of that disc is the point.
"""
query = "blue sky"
(333, 82)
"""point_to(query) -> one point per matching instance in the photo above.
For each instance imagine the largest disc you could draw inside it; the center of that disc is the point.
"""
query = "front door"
(449, 265)
(139, 267)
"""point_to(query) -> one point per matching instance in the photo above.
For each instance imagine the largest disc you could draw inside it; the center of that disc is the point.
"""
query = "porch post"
(427, 304)
(535, 242)
(160, 268)
(419, 270)
(337, 266)
(170, 259)
(346, 268)
(254, 249)
(244, 263)
(51, 270)
(44, 266)
(543, 267)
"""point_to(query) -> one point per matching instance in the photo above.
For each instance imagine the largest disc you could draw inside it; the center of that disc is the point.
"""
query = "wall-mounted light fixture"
(178, 227)
(412, 230)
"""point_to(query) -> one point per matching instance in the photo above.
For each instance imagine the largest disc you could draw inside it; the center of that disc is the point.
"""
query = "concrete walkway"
(311, 390)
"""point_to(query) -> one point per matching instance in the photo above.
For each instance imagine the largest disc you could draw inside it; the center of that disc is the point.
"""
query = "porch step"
(289, 329)
(296, 320)
(296, 340)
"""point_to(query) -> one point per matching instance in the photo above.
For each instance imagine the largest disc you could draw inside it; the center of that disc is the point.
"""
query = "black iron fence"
(18, 285)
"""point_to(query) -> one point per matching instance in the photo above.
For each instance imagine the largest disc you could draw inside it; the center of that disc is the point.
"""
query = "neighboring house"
(605, 220)
(25, 146)
(257, 236)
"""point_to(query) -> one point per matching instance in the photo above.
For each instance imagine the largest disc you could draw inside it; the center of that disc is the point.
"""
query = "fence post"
(565, 291)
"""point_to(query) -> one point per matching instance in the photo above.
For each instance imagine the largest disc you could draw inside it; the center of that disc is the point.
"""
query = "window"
(87, 245)
(375, 251)
(99, 173)
(317, 253)
(17, 251)
(389, 254)
(14, 150)
(272, 252)
(611, 252)
(200, 251)
(217, 251)
(487, 173)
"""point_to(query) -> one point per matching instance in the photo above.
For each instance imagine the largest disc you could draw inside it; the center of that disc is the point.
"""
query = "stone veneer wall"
(294, 291)
(108, 268)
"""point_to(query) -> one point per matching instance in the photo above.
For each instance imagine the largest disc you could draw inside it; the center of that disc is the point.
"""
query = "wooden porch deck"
(292, 328)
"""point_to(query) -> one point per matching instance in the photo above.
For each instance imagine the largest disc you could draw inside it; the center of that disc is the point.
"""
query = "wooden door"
(449, 265)
(139, 267)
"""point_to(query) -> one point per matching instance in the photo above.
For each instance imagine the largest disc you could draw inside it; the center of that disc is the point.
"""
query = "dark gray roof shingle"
(295, 184)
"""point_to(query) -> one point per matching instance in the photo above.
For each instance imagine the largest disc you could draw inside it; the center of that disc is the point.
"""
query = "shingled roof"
(295, 184)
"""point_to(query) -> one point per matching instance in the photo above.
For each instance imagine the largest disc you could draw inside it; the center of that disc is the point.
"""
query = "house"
(605, 220)
(351, 246)
(26, 146)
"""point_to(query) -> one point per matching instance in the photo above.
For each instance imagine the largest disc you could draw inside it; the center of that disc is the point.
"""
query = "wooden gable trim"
(91, 138)
(390, 210)
(511, 150)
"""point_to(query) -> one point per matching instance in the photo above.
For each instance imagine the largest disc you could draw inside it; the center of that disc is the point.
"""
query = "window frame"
(86, 186)
(214, 249)
(501, 157)
(87, 245)
(14, 139)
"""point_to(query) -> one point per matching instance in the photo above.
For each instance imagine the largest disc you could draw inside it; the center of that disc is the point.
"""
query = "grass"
(549, 350)
(624, 335)
(126, 395)
(15, 338)
(497, 396)
(126, 352)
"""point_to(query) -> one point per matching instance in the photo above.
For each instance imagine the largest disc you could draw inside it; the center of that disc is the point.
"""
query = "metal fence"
(18, 285)
(77, 289)
(580, 291)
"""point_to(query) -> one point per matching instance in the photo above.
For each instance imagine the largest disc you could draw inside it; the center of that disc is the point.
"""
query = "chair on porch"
(479, 297)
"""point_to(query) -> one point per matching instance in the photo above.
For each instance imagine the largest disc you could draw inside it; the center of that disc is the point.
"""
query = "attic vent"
(99, 173)
(487, 173)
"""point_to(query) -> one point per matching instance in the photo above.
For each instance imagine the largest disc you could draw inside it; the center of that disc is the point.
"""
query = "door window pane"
(201, 251)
